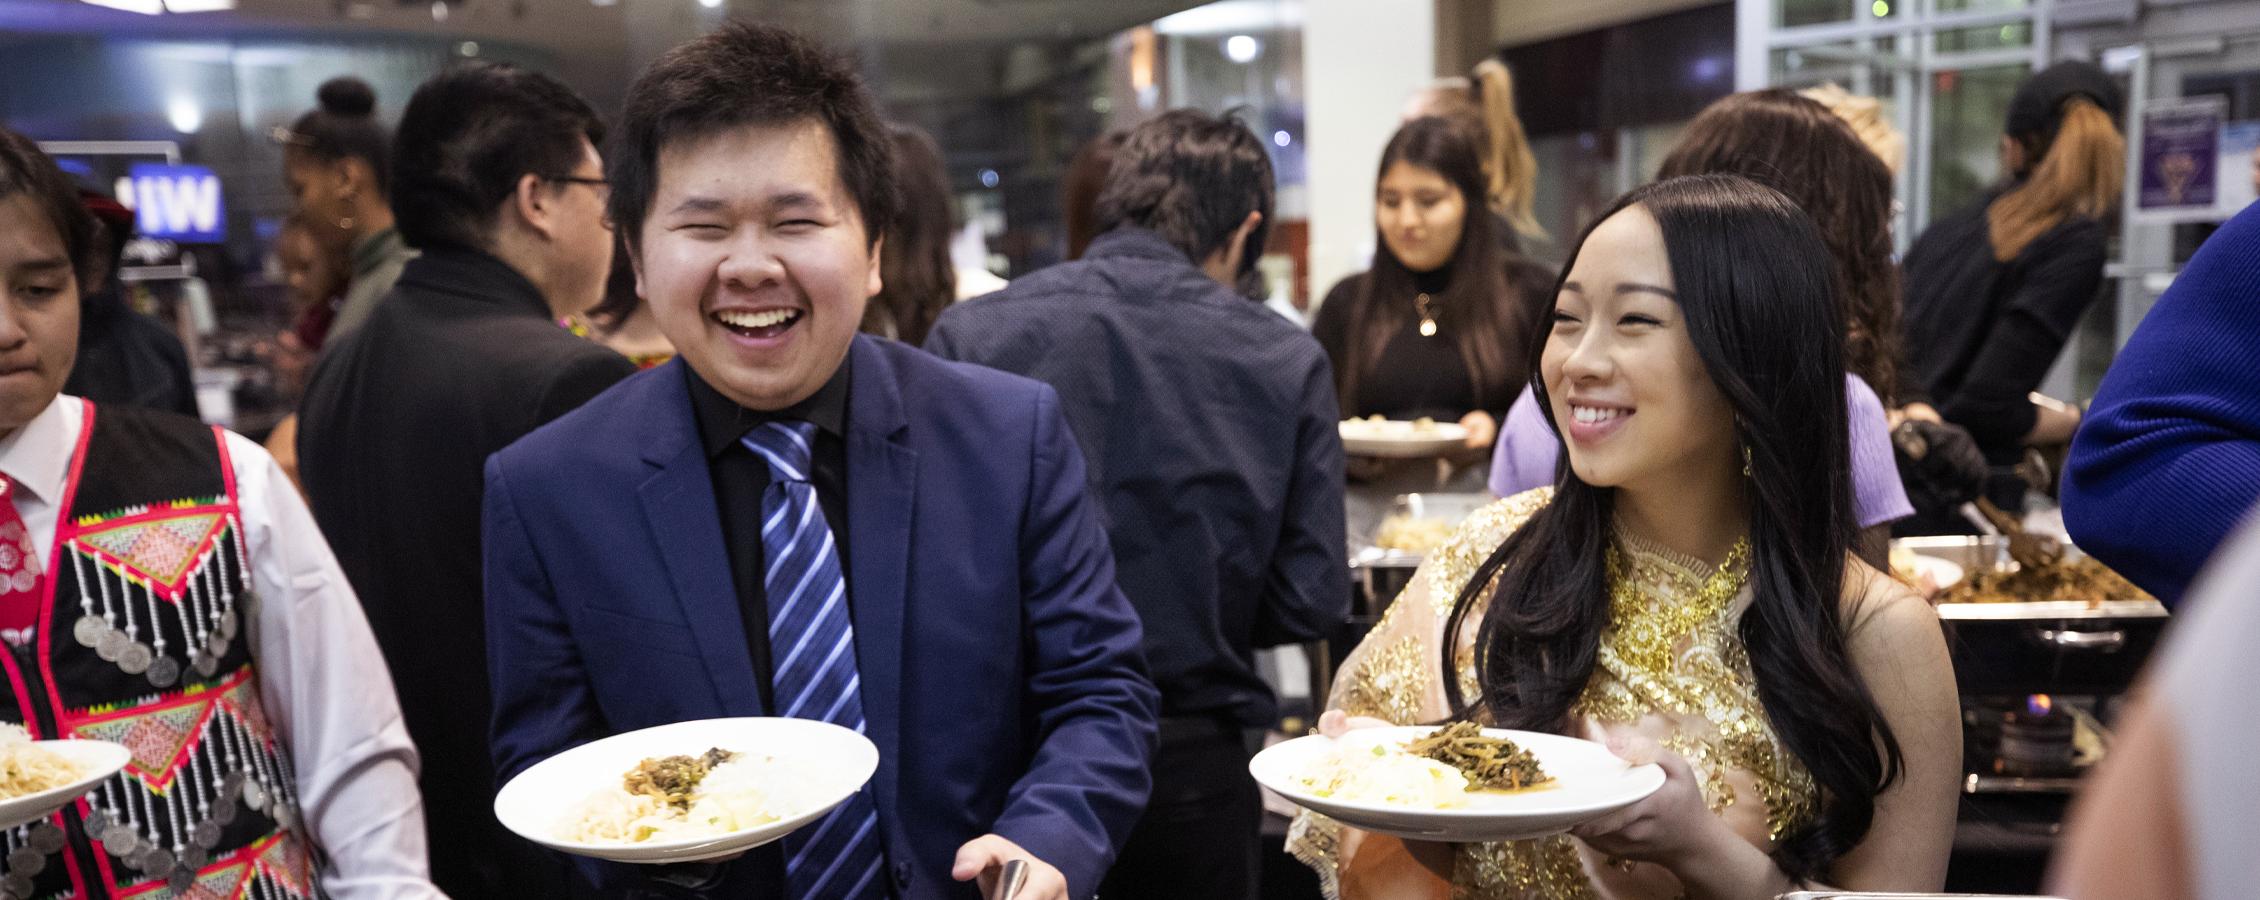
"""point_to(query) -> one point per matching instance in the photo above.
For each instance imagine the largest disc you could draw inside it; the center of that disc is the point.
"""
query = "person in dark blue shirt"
(2168, 461)
(1209, 424)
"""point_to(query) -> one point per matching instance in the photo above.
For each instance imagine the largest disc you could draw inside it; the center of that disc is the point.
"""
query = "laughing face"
(1635, 404)
(755, 260)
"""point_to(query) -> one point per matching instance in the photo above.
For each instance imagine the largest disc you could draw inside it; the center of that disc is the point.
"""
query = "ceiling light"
(439, 10)
(1241, 48)
(710, 4)
(467, 48)
(144, 7)
(186, 117)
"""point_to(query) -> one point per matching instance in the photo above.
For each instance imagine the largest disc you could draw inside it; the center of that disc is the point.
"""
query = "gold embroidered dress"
(1671, 668)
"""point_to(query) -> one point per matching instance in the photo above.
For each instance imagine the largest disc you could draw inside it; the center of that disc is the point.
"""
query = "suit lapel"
(679, 505)
(882, 479)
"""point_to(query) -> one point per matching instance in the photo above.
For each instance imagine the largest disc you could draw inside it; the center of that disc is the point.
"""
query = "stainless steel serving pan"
(2039, 648)
(1378, 575)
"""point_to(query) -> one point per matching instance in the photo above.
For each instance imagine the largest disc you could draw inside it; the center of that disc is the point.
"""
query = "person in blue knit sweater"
(2168, 460)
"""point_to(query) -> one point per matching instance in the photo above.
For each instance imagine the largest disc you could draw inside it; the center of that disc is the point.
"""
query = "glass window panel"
(1862, 68)
(1795, 13)
(1978, 6)
(1985, 37)
(1967, 108)
(1578, 180)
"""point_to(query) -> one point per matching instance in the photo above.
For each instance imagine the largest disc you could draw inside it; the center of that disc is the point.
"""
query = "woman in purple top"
(1798, 147)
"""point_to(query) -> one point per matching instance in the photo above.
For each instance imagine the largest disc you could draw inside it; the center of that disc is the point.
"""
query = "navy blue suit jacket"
(1001, 673)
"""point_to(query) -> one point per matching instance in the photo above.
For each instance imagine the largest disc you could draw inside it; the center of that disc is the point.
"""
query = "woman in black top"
(1436, 328)
(1993, 292)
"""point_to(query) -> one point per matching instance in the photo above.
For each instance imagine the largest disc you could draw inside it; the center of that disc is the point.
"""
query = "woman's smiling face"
(1632, 397)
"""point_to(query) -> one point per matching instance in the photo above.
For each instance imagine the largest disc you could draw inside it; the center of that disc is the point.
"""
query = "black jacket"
(128, 359)
(461, 359)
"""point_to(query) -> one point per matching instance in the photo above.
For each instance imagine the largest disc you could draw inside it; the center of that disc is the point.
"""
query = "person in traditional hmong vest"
(163, 587)
(1685, 592)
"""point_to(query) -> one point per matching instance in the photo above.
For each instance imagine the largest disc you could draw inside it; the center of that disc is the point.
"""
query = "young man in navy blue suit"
(792, 519)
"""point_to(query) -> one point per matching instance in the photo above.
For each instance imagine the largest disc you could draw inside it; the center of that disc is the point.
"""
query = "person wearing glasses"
(498, 183)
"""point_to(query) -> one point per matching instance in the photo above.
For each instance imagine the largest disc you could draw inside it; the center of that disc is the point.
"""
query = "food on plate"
(673, 779)
(1412, 535)
(1439, 771)
(27, 768)
(1387, 775)
(1489, 763)
(2081, 581)
(677, 797)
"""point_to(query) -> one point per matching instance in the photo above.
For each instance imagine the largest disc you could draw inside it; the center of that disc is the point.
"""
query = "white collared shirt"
(325, 687)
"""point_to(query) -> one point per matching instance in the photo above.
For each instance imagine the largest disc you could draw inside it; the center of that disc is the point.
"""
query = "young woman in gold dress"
(1686, 593)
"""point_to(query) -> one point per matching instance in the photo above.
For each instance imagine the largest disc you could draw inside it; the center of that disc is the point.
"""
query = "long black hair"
(1747, 265)
(1480, 307)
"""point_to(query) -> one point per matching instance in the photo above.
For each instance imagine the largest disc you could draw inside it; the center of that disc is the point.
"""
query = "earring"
(345, 223)
(1745, 460)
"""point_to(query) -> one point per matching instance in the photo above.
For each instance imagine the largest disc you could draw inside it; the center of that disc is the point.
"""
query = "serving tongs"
(2029, 550)
(1009, 881)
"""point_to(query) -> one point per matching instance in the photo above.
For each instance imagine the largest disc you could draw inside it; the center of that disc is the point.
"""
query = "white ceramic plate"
(98, 759)
(824, 764)
(1589, 782)
(1943, 573)
(1400, 439)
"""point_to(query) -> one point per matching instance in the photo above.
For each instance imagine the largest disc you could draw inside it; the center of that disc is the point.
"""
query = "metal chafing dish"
(2039, 647)
(1378, 574)
(2040, 683)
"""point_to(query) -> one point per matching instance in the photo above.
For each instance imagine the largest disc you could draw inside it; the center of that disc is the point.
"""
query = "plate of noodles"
(1454, 783)
(1401, 438)
(40, 777)
(688, 791)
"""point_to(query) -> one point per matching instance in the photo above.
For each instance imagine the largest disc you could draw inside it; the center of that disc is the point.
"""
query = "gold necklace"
(1426, 306)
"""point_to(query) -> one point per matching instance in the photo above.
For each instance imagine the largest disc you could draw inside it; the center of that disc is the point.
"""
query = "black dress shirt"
(740, 479)
(1208, 424)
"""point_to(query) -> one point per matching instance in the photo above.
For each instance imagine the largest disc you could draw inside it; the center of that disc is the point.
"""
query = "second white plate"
(1401, 439)
(1589, 782)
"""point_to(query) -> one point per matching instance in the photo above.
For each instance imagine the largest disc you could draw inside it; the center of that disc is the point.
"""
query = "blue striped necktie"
(812, 646)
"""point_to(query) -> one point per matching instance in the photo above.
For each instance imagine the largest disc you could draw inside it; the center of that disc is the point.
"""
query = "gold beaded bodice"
(1671, 666)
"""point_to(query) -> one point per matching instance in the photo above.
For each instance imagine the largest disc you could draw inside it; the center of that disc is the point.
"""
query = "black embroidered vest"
(144, 641)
